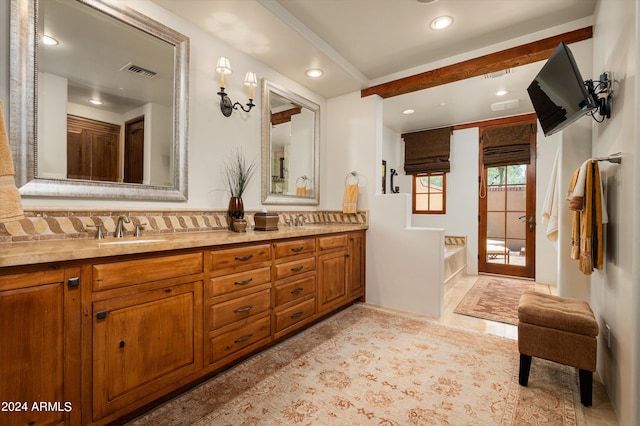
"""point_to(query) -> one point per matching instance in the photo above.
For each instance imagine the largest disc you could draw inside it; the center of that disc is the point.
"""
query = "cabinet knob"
(101, 315)
(243, 258)
(244, 339)
(242, 310)
(73, 282)
(243, 282)
(121, 344)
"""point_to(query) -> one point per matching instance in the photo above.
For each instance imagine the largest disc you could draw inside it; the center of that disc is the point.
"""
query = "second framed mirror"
(290, 139)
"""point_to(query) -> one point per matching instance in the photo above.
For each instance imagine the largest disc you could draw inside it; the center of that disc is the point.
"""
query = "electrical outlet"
(607, 335)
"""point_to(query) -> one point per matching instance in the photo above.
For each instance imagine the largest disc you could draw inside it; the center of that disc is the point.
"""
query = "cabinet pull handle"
(243, 282)
(245, 309)
(243, 258)
(296, 315)
(243, 339)
(297, 249)
(73, 282)
(299, 268)
(101, 315)
(297, 290)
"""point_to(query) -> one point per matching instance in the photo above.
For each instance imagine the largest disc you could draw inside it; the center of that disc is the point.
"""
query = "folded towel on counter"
(350, 203)
(10, 202)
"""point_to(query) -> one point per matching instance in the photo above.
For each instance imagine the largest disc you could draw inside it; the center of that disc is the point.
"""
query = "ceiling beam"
(498, 61)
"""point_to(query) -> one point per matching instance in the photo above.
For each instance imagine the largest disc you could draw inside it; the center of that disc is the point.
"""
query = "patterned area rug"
(366, 366)
(496, 298)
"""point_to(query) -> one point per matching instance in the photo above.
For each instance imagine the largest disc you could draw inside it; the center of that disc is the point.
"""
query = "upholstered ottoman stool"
(558, 329)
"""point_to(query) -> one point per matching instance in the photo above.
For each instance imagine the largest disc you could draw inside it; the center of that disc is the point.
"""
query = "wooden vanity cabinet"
(333, 271)
(295, 284)
(40, 348)
(126, 331)
(238, 302)
(146, 335)
(357, 256)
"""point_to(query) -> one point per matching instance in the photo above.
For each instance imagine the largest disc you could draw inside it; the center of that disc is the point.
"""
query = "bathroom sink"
(137, 241)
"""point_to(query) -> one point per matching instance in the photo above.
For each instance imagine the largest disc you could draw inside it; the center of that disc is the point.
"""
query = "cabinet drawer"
(234, 310)
(333, 241)
(239, 281)
(236, 257)
(298, 289)
(232, 341)
(291, 248)
(296, 267)
(120, 274)
(294, 314)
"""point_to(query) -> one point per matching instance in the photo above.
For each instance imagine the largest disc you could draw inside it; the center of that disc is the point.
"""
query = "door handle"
(531, 222)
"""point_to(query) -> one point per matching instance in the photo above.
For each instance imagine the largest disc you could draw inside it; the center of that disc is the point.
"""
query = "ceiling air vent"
(138, 70)
(498, 73)
(501, 106)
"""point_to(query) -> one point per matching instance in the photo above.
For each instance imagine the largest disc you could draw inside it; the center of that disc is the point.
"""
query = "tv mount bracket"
(602, 92)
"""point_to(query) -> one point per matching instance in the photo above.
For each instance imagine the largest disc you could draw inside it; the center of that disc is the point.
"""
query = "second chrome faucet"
(119, 233)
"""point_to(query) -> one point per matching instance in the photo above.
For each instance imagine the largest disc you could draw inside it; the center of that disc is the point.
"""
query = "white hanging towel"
(551, 200)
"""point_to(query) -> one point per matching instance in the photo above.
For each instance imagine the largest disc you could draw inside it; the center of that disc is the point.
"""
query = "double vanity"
(97, 330)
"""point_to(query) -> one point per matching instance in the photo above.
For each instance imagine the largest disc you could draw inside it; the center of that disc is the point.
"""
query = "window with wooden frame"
(429, 193)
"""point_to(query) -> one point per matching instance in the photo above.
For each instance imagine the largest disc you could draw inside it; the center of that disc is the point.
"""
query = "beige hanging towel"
(350, 201)
(10, 202)
(350, 198)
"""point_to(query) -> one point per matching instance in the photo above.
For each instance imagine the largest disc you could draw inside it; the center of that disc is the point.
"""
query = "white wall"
(405, 264)
(614, 290)
(212, 137)
(461, 218)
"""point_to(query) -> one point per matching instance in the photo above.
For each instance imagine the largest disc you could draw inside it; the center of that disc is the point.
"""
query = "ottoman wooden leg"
(586, 387)
(525, 366)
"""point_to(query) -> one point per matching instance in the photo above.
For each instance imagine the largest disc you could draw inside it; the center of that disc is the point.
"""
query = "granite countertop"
(31, 253)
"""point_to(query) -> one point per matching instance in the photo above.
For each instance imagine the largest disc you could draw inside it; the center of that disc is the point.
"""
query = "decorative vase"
(236, 210)
(240, 225)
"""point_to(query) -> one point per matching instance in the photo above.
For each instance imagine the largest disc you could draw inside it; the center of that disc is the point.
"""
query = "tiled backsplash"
(55, 225)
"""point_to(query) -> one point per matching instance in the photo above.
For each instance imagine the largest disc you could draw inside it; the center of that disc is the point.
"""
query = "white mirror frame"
(23, 109)
(269, 197)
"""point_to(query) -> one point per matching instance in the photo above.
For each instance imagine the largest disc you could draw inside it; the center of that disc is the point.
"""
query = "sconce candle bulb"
(223, 67)
(226, 105)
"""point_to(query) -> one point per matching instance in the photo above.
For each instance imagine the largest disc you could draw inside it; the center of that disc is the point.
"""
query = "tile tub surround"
(43, 225)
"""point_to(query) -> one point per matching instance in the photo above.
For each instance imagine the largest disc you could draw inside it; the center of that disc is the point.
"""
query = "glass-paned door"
(508, 225)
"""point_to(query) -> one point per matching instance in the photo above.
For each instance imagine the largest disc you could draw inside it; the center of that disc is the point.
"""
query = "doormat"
(497, 298)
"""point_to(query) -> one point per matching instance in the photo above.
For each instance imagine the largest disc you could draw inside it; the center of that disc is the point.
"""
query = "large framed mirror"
(99, 99)
(290, 142)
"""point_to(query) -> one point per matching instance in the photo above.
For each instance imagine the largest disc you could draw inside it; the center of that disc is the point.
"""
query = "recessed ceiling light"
(408, 111)
(426, 1)
(441, 22)
(49, 41)
(501, 92)
(315, 72)
(96, 101)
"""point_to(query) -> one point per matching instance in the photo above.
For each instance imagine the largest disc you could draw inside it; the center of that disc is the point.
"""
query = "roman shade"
(503, 146)
(427, 151)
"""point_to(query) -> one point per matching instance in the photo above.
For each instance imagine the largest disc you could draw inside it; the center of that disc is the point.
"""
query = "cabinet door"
(144, 343)
(356, 264)
(332, 279)
(39, 349)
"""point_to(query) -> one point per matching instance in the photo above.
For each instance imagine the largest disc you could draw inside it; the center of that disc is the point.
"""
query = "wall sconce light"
(223, 68)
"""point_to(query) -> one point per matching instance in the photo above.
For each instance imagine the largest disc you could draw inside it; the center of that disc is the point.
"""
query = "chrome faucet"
(120, 226)
(300, 220)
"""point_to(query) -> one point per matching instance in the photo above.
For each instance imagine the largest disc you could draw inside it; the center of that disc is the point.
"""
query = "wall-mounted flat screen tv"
(558, 93)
